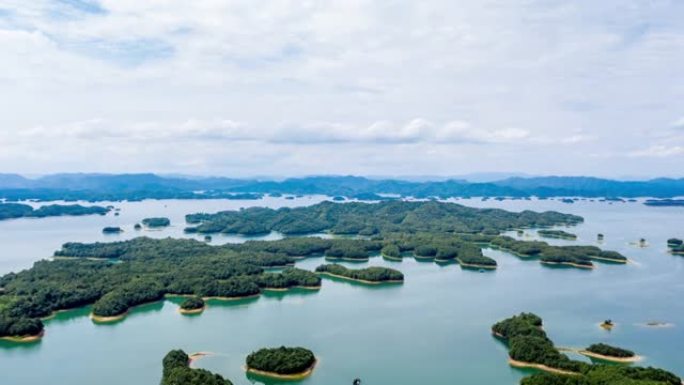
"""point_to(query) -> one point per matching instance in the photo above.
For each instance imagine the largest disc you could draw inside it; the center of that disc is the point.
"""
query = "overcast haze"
(243, 88)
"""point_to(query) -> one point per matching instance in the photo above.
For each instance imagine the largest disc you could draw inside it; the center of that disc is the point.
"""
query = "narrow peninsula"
(192, 305)
(558, 234)
(177, 370)
(610, 353)
(373, 275)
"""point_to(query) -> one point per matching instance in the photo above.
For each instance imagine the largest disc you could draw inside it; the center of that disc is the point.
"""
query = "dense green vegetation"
(527, 342)
(148, 270)
(115, 276)
(112, 230)
(610, 351)
(560, 234)
(674, 242)
(576, 255)
(192, 303)
(177, 371)
(156, 222)
(391, 250)
(368, 219)
(607, 375)
(371, 274)
(282, 360)
(20, 210)
(288, 278)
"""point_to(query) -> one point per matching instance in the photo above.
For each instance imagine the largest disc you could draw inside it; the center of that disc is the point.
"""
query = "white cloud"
(659, 151)
(514, 78)
(679, 123)
(315, 133)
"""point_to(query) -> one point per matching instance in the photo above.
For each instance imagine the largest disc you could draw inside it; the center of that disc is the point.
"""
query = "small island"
(674, 242)
(530, 347)
(137, 226)
(112, 230)
(177, 370)
(156, 223)
(192, 305)
(609, 353)
(371, 275)
(283, 363)
(676, 246)
(607, 325)
(558, 234)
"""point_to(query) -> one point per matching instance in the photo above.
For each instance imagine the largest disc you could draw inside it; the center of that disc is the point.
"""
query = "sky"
(285, 88)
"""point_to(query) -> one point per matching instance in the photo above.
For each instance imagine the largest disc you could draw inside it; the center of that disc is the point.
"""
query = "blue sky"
(437, 87)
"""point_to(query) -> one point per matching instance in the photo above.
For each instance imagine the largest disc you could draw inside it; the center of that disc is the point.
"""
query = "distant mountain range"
(95, 187)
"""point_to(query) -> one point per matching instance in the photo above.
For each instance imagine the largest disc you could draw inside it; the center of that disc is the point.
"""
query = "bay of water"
(434, 328)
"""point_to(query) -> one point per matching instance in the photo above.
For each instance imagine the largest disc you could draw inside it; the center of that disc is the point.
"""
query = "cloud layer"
(354, 86)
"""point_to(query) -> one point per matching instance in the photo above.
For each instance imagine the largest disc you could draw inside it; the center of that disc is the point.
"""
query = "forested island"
(371, 275)
(112, 230)
(155, 223)
(177, 371)
(283, 362)
(529, 346)
(146, 270)
(368, 219)
(559, 234)
(20, 210)
(575, 256)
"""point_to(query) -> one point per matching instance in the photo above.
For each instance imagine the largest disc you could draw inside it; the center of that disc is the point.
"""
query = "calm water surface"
(433, 328)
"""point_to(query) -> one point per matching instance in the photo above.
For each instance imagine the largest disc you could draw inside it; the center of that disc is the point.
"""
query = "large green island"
(113, 277)
(20, 210)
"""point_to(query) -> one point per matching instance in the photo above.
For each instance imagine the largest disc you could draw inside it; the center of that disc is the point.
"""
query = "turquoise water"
(433, 328)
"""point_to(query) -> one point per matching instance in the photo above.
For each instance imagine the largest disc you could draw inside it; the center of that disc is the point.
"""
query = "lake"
(435, 327)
